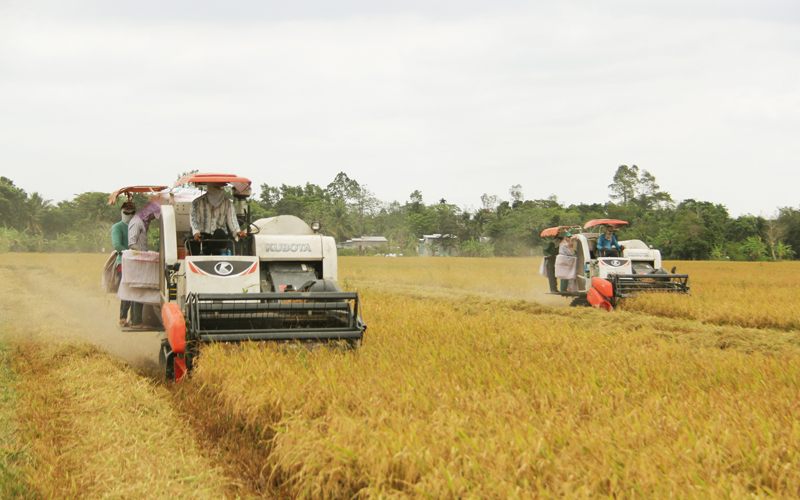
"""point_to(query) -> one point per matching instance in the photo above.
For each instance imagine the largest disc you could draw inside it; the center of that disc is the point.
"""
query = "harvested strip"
(12, 450)
(95, 429)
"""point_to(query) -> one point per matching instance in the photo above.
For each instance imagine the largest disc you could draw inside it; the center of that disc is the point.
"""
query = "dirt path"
(89, 425)
(38, 301)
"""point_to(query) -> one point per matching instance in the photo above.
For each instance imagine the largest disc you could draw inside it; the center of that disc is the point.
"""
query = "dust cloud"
(40, 305)
(544, 298)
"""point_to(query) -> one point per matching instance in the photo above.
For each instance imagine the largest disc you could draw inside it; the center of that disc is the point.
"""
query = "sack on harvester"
(110, 277)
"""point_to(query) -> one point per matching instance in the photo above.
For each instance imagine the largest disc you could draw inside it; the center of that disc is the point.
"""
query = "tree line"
(684, 230)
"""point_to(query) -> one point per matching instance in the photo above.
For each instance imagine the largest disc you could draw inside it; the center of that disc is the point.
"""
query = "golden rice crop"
(12, 449)
(84, 425)
(499, 277)
(487, 399)
(748, 294)
(82, 270)
(94, 429)
(458, 396)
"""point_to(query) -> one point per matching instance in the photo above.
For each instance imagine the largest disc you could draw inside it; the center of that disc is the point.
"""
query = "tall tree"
(365, 204)
(489, 202)
(517, 196)
(269, 196)
(93, 207)
(12, 203)
(36, 209)
(415, 204)
(639, 189)
(623, 189)
(789, 221)
(343, 188)
(339, 221)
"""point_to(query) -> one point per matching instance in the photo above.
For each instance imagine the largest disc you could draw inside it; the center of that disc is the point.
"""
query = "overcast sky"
(454, 98)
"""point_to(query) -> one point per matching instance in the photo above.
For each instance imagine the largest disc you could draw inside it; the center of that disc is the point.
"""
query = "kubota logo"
(288, 247)
(223, 268)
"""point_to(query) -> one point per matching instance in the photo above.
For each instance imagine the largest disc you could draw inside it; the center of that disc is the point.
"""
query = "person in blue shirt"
(607, 244)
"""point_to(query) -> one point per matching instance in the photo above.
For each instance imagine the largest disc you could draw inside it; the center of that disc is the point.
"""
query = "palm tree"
(481, 218)
(35, 209)
(340, 221)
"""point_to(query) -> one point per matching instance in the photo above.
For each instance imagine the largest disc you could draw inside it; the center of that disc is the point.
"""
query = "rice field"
(747, 294)
(466, 386)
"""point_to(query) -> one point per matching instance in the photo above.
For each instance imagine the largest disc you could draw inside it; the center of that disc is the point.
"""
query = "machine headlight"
(315, 226)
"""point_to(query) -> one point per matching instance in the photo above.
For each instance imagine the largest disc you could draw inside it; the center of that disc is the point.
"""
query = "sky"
(454, 99)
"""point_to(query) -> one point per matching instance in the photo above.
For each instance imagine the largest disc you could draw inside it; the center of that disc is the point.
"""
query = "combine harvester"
(607, 280)
(278, 284)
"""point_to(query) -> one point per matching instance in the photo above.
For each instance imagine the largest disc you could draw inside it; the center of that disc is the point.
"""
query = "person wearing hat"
(119, 239)
(607, 244)
(550, 251)
(213, 217)
(137, 240)
(565, 248)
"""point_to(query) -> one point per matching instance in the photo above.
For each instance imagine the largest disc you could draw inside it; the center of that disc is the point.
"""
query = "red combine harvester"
(602, 281)
(277, 284)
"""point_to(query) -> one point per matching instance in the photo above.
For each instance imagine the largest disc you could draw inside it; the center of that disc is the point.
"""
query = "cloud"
(405, 97)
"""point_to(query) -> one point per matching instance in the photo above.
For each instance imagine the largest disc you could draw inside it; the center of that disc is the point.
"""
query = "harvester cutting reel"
(606, 293)
(308, 319)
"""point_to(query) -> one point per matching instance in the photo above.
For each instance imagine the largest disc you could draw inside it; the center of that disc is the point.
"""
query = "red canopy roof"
(616, 224)
(553, 231)
(206, 178)
(128, 191)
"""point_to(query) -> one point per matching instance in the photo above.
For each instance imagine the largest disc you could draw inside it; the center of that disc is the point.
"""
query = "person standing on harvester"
(213, 216)
(550, 253)
(137, 241)
(119, 238)
(565, 248)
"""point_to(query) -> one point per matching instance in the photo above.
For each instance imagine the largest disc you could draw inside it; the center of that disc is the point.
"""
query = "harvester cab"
(276, 284)
(603, 280)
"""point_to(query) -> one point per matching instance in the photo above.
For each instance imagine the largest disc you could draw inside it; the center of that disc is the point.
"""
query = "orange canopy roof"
(553, 231)
(128, 191)
(616, 224)
(206, 178)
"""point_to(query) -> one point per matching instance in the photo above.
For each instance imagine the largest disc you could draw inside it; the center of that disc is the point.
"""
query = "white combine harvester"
(278, 284)
(603, 281)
